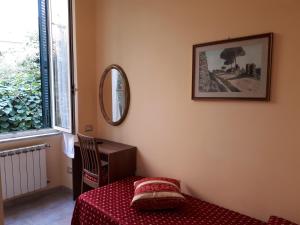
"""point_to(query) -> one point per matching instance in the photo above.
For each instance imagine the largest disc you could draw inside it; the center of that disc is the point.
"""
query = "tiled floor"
(53, 208)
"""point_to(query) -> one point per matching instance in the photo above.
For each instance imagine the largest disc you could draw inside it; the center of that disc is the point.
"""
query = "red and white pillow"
(157, 193)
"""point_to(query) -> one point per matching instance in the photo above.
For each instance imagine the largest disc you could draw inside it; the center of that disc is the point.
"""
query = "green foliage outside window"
(20, 88)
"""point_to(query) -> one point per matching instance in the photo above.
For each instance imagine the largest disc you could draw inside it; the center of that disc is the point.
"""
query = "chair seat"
(93, 180)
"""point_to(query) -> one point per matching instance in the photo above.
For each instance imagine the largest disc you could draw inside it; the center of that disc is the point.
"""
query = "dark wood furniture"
(94, 170)
(121, 159)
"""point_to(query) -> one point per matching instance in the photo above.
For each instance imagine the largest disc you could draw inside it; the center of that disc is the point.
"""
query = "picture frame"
(238, 68)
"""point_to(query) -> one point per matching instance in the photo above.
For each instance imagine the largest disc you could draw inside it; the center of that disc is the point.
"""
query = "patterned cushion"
(93, 179)
(279, 221)
(157, 193)
(89, 177)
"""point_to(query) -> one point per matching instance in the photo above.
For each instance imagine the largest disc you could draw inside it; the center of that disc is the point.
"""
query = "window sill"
(16, 136)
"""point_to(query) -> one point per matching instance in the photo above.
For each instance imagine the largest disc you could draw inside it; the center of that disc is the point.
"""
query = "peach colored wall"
(239, 154)
(86, 63)
(66, 178)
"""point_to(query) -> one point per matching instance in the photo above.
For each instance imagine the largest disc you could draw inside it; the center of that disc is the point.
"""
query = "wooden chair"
(94, 171)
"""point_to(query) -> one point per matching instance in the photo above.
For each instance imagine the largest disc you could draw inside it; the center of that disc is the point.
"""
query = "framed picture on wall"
(238, 68)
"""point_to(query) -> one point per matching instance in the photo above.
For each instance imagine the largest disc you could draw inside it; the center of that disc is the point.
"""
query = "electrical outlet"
(88, 128)
(69, 170)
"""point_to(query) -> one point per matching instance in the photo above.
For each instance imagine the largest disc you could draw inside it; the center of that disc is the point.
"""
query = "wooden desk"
(121, 160)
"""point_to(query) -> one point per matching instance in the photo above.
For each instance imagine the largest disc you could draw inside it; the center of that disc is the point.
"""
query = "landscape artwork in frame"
(238, 68)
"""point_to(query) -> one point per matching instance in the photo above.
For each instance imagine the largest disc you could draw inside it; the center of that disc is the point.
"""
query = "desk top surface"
(109, 147)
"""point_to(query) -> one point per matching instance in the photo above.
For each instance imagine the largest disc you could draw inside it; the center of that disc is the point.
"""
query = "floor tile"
(55, 208)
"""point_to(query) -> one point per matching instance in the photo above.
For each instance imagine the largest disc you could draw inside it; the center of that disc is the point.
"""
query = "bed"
(110, 205)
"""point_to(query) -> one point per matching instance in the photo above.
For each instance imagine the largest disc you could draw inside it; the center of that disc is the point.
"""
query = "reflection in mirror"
(114, 94)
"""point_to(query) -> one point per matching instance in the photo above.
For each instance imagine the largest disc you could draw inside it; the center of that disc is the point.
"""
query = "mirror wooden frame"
(127, 94)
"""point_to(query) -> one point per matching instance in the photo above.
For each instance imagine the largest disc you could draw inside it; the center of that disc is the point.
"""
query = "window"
(36, 84)
(61, 50)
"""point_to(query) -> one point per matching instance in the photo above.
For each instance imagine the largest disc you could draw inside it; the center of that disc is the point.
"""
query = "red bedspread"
(110, 205)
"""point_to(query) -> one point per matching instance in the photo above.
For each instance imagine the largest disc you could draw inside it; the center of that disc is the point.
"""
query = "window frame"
(44, 62)
(71, 81)
(47, 93)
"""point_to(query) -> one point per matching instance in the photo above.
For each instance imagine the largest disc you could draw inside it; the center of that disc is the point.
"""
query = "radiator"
(23, 170)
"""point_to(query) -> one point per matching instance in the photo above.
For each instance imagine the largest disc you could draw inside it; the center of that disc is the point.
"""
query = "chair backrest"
(90, 156)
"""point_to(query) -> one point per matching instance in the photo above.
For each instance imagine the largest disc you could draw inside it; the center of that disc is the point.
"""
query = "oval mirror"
(114, 95)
